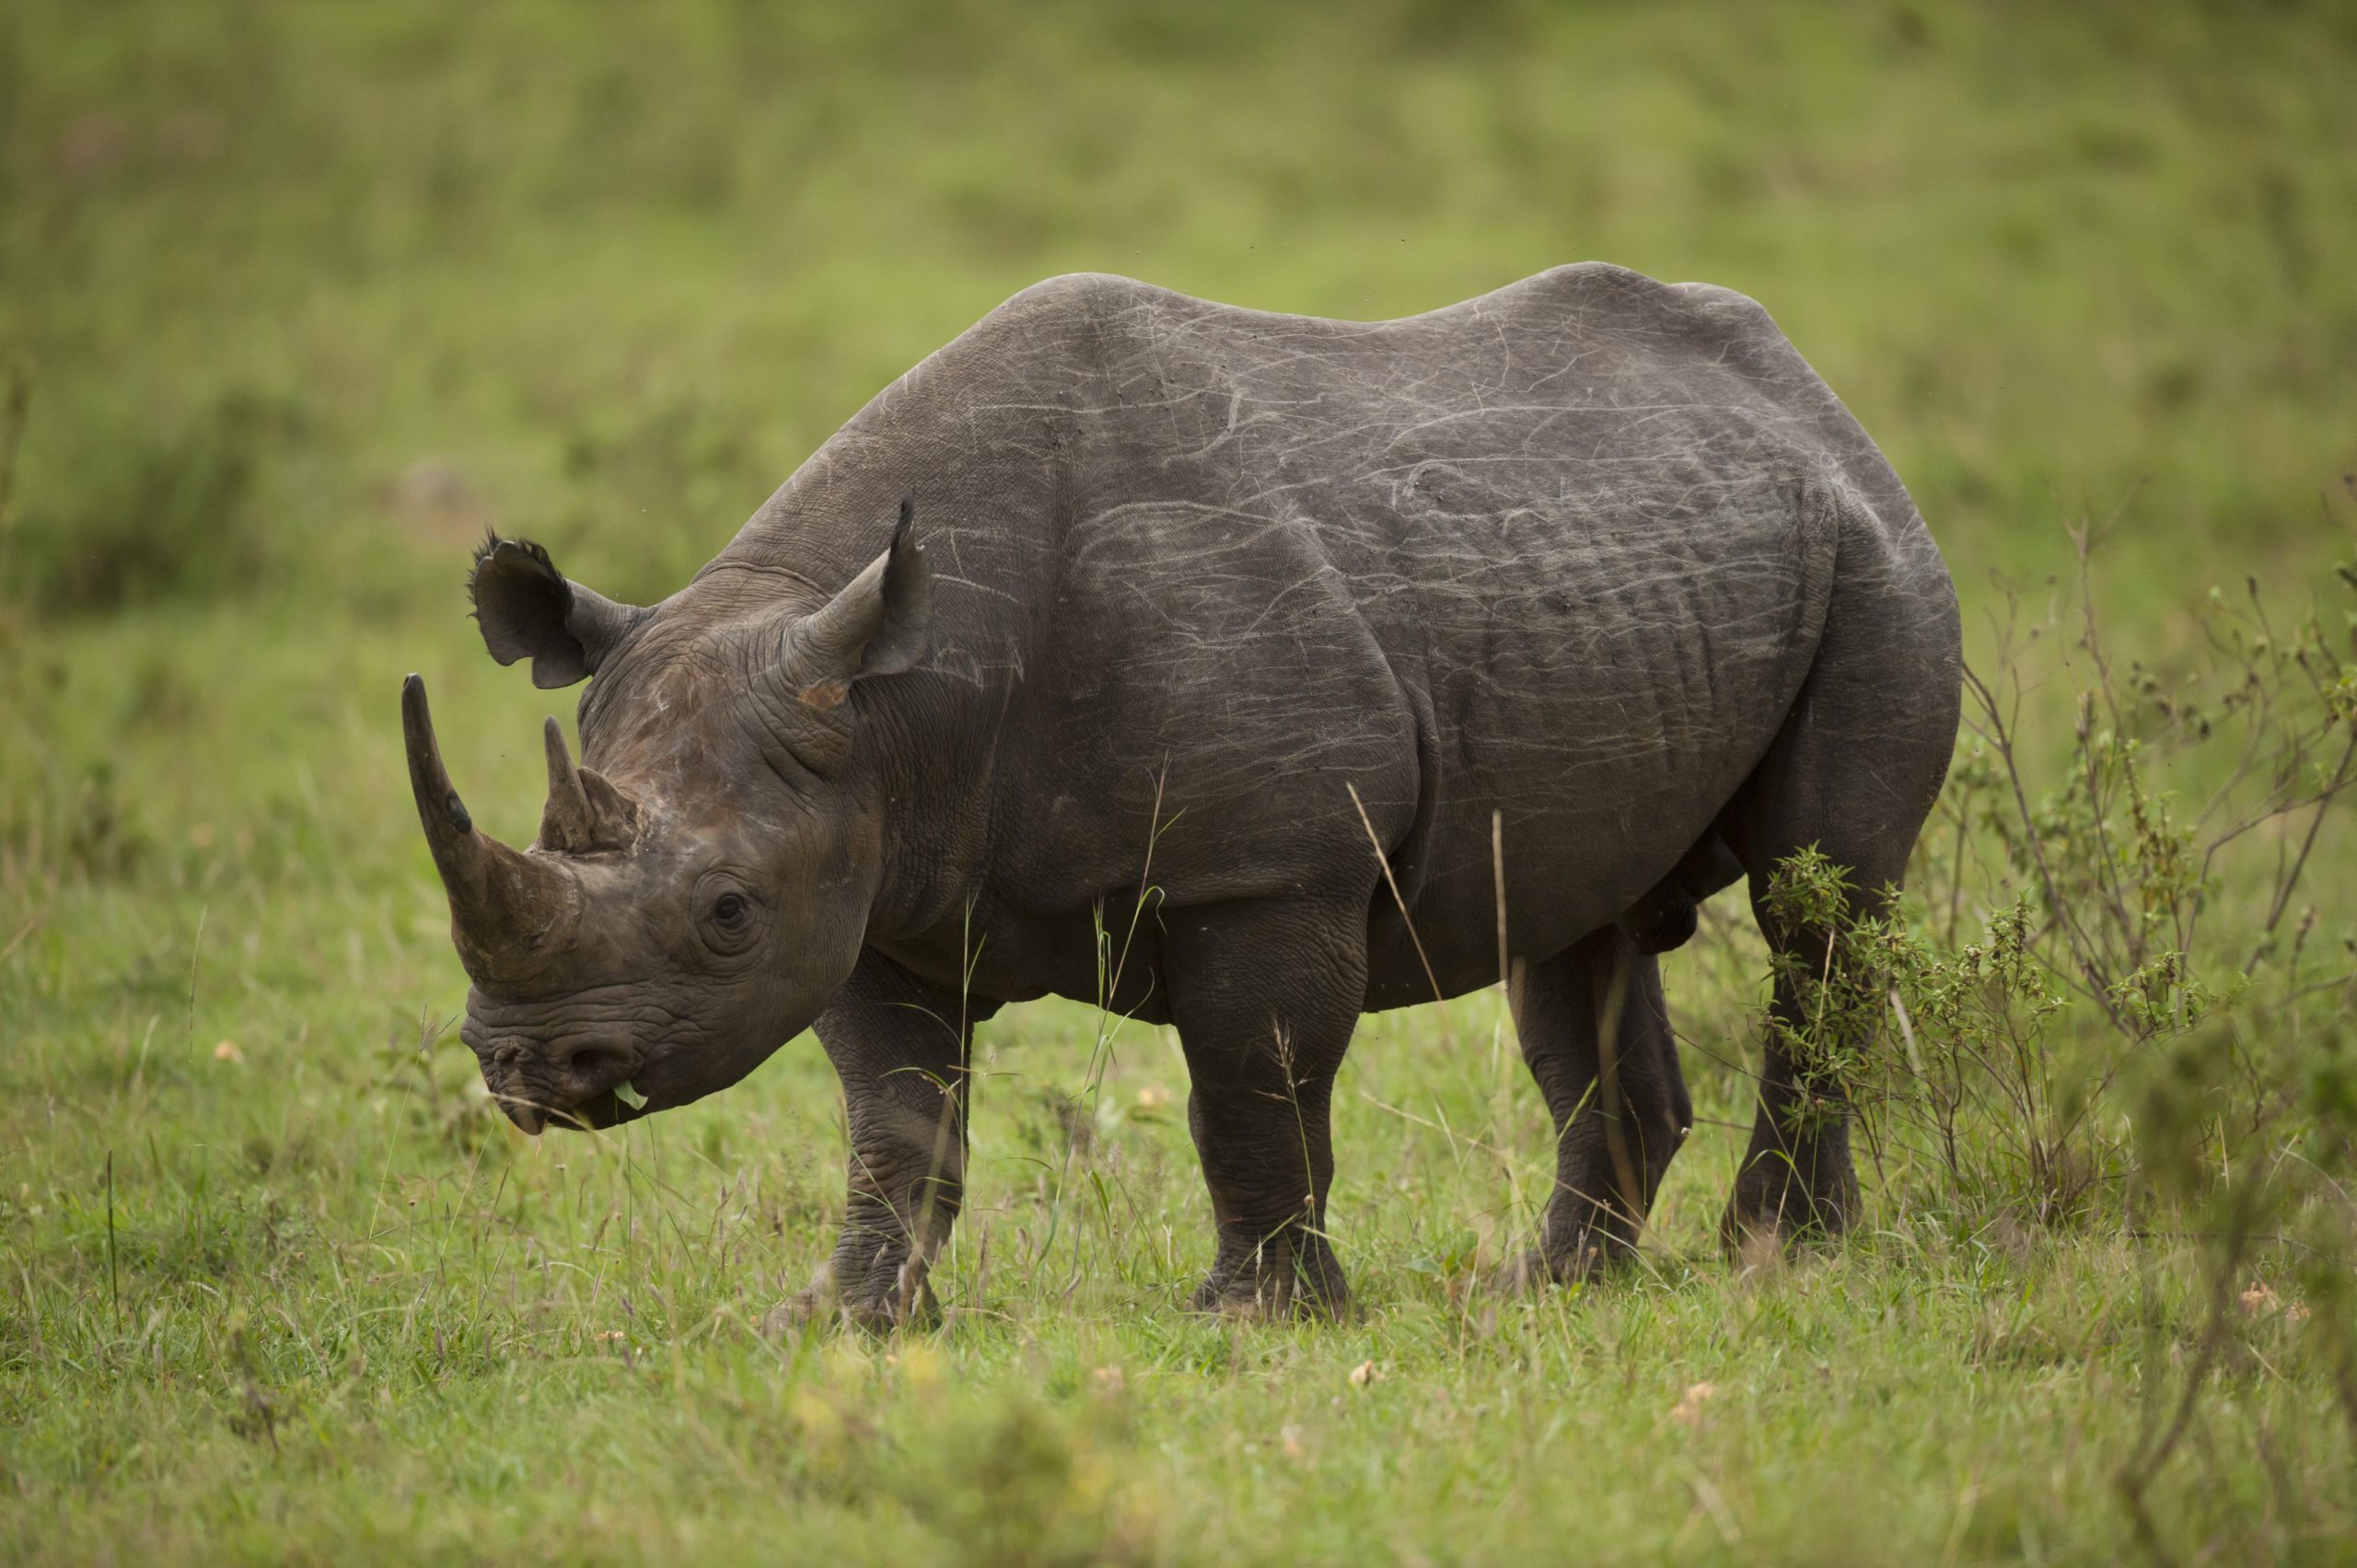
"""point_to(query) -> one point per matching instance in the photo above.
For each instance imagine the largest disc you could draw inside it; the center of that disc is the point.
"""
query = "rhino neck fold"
(919, 773)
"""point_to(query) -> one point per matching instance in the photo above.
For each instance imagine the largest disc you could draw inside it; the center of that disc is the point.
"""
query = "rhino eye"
(732, 913)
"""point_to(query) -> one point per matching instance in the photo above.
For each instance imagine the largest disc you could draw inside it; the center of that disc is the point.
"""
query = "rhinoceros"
(1243, 672)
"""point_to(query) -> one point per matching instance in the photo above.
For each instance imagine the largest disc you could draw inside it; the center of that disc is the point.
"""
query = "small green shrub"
(2097, 1045)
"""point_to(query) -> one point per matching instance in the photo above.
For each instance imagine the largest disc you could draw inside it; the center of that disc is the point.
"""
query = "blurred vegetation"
(616, 270)
(297, 300)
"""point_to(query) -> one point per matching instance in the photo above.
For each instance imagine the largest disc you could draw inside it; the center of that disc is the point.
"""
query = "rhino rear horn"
(585, 815)
(509, 912)
(529, 610)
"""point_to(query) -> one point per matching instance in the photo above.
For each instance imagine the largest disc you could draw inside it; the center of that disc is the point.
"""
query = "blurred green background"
(295, 300)
(296, 283)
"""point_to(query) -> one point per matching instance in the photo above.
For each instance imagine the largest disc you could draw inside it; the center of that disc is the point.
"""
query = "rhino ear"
(527, 610)
(875, 626)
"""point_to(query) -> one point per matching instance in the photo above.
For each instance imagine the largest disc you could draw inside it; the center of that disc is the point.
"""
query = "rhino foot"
(1782, 1204)
(1759, 1238)
(905, 1300)
(1290, 1276)
(1539, 1269)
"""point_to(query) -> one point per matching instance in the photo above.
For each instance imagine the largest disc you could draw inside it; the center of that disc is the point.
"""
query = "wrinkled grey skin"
(1596, 559)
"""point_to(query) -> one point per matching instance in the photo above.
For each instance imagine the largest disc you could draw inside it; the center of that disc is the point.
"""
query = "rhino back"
(1559, 553)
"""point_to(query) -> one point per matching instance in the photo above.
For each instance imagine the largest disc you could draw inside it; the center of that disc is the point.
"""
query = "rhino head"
(694, 900)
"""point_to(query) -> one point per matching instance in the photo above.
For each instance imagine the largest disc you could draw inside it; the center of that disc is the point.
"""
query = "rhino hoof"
(803, 1309)
(1276, 1284)
(1536, 1271)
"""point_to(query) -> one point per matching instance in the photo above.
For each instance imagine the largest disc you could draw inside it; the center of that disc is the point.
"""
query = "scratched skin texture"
(1206, 604)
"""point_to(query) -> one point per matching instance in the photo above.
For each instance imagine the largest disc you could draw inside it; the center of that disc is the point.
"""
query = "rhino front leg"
(1265, 996)
(900, 1047)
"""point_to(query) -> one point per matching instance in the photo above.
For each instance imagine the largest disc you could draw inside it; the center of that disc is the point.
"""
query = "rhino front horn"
(509, 912)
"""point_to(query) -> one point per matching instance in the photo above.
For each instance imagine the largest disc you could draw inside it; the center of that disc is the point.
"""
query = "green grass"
(306, 296)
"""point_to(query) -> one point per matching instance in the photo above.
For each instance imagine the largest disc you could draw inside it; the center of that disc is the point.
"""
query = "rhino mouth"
(534, 1112)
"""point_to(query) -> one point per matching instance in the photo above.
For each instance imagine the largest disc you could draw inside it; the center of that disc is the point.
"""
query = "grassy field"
(295, 300)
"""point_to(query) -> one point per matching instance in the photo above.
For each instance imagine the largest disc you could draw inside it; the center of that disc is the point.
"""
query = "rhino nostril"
(592, 1062)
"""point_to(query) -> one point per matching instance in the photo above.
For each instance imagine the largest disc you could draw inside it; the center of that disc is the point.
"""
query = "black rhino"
(1579, 601)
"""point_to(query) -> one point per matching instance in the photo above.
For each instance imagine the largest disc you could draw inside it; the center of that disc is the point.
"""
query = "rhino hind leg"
(1853, 775)
(1265, 995)
(1620, 1116)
